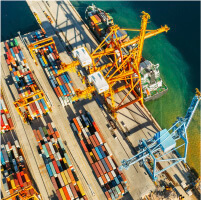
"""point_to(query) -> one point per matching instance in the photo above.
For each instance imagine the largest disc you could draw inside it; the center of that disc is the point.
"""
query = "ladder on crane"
(164, 143)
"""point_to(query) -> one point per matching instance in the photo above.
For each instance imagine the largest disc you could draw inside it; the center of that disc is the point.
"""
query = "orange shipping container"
(77, 125)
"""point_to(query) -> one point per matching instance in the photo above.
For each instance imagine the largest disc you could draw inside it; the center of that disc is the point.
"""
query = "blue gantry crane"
(152, 151)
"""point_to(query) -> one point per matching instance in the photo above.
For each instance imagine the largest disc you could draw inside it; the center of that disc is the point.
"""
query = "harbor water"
(177, 52)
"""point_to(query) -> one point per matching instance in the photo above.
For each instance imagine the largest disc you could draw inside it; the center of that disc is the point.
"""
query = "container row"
(99, 155)
(58, 164)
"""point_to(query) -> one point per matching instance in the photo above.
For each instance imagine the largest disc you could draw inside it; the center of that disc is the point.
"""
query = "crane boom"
(165, 142)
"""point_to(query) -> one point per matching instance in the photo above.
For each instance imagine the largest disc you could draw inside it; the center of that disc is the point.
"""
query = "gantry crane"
(123, 67)
(25, 101)
(156, 149)
(40, 44)
(24, 195)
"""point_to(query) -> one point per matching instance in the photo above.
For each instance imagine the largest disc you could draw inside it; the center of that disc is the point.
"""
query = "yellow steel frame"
(39, 44)
(127, 70)
(23, 102)
(23, 194)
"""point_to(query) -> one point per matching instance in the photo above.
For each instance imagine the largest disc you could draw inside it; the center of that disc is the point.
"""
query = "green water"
(177, 52)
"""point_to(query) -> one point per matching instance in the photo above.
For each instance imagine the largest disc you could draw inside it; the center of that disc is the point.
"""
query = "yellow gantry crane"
(40, 44)
(24, 195)
(25, 101)
(122, 67)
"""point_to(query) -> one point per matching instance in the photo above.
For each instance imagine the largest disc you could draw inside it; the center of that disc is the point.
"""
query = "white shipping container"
(18, 58)
(108, 149)
(3, 104)
(69, 192)
(53, 126)
(82, 55)
(111, 162)
(51, 147)
(59, 156)
(99, 82)
(79, 122)
(52, 58)
(15, 151)
(85, 133)
(4, 119)
(61, 180)
(61, 100)
(56, 157)
(101, 181)
(38, 107)
(107, 177)
(113, 173)
(30, 111)
(17, 144)
(98, 137)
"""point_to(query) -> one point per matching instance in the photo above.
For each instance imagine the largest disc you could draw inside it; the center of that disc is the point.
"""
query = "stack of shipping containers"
(23, 79)
(111, 179)
(58, 164)
(6, 121)
(50, 61)
(15, 175)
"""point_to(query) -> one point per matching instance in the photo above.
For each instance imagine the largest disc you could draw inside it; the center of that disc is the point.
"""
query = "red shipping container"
(39, 135)
(55, 166)
(36, 135)
(108, 163)
(84, 146)
(57, 134)
(71, 175)
(97, 18)
(73, 190)
(8, 56)
(40, 146)
(123, 177)
(50, 127)
(85, 197)
(104, 179)
(49, 133)
(89, 157)
(6, 45)
(68, 88)
(58, 194)
(121, 188)
(57, 92)
(32, 191)
(96, 127)
(66, 193)
(60, 79)
(98, 168)
(95, 170)
(54, 183)
(42, 108)
(7, 61)
(92, 140)
(32, 109)
(110, 175)
(96, 140)
(19, 179)
(77, 125)
(102, 167)
(60, 92)
(95, 154)
(48, 148)
(107, 195)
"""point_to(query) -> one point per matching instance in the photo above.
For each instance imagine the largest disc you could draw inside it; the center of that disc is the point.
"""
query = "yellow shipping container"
(67, 176)
(62, 194)
(12, 184)
(64, 178)
(80, 187)
(58, 81)
(94, 20)
(44, 59)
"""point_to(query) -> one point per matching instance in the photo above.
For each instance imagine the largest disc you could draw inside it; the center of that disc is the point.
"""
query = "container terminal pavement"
(62, 135)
